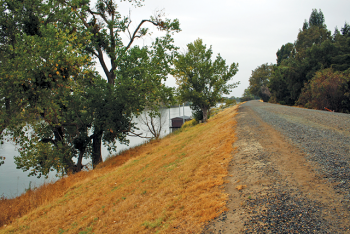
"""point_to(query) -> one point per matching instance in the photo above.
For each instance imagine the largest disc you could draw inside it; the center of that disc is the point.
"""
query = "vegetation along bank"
(171, 186)
(312, 72)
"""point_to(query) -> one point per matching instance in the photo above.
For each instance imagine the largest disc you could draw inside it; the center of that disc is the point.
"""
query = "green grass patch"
(153, 224)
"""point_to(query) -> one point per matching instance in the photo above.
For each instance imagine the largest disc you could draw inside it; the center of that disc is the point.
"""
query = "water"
(13, 182)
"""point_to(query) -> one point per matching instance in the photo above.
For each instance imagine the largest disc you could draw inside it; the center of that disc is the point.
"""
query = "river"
(13, 182)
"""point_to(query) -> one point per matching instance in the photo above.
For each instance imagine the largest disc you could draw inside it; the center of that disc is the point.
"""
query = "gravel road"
(290, 172)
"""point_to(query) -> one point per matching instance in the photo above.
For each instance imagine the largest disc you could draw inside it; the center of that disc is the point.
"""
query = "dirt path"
(275, 188)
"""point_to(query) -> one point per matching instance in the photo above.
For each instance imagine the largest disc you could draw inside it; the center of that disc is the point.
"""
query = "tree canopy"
(247, 96)
(53, 104)
(312, 71)
(203, 81)
(259, 80)
(43, 68)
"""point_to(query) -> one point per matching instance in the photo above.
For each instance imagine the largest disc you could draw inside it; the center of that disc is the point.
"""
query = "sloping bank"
(169, 186)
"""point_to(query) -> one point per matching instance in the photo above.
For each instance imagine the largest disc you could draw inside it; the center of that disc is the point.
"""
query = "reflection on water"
(14, 182)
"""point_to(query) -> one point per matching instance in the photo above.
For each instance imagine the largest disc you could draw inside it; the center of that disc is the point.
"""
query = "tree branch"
(47, 140)
(99, 53)
(104, 66)
(137, 30)
(98, 13)
(133, 134)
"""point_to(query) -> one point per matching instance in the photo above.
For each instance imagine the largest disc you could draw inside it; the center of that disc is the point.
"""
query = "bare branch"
(137, 30)
(154, 124)
(133, 134)
(129, 24)
(103, 64)
(94, 53)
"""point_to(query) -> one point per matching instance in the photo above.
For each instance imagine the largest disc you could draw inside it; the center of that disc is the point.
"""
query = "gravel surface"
(293, 164)
(286, 214)
(323, 136)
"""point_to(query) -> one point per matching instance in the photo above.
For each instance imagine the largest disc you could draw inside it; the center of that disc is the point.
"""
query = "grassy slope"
(169, 186)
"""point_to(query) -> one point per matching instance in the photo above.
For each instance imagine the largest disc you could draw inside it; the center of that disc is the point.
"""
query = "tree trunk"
(80, 159)
(205, 114)
(96, 149)
(8, 113)
(70, 165)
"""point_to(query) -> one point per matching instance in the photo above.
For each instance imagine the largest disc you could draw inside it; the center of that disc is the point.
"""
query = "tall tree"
(259, 80)
(316, 18)
(314, 33)
(278, 84)
(300, 68)
(287, 51)
(51, 79)
(40, 76)
(201, 80)
(341, 57)
(106, 25)
(300, 76)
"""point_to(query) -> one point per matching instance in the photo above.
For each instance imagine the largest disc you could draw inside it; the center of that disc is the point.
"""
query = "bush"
(230, 102)
(327, 89)
(189, 123)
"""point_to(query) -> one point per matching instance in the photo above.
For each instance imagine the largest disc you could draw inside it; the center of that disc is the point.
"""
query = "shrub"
(327, 89)
(189, 123)
(230, 102)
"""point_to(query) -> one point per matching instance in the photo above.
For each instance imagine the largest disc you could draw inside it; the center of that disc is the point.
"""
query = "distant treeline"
(314, 71)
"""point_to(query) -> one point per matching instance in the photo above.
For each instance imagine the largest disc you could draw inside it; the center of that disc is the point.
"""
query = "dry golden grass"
(16, 207)
(167, 186)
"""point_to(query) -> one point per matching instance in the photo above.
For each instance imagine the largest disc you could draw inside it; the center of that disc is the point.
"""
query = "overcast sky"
(248, 32)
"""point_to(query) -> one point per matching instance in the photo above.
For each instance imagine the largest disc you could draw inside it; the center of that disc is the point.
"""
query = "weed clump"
(190, 123)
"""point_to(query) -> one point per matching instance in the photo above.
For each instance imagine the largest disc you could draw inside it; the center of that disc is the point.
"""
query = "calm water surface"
(13, 182)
